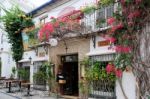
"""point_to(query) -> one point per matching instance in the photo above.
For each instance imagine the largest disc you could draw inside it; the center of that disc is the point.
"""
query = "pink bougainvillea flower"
(40, 34)
(111, 39)
(118, 73)
(122, 2)
(136, 13)
(122, 49)
(46, 30)
(110, 68)
(126, 49)
(64, 19)
(131, 15)
(110, 20)
(124, 10)
(48, 27)
(118, 48)
(130, 23)
(56, 24)
(113, 29)
(120, 26)
(52, 17)
(138, 1)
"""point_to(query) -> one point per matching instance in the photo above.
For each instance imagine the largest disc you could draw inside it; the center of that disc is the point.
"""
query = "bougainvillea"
(126, 29)
(61, 25)
(45, 31)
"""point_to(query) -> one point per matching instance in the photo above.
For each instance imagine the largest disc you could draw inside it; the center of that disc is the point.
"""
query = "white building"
(56, 8)
(5, 48)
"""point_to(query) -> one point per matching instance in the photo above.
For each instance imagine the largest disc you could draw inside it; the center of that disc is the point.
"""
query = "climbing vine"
(14, 22)
(127, 29)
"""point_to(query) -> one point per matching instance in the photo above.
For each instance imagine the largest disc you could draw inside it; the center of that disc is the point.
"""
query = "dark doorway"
(70, 71)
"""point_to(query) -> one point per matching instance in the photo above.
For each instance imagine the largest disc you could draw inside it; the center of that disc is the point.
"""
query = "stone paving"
(36, 94)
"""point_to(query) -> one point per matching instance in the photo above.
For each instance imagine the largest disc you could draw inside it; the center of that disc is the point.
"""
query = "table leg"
(28, 92)
(19, 86)
(6, 84)
(9, 87)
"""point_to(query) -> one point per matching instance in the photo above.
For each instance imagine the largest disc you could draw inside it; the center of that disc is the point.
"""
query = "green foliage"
(88, 9)
(97, 72)
(106, 2)
(123, 60)
(83, 87)
(13, 71)
(23, 74)
(39, 76)
(44, 73)
(33, 36)
(85, 62)
(14, 21)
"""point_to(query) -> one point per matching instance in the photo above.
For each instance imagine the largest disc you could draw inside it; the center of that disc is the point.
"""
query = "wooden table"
(28, 88)
(9, 85)
(2, 78)
(9, 82)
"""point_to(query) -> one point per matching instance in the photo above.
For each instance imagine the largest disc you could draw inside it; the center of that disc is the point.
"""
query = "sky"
(38, 3)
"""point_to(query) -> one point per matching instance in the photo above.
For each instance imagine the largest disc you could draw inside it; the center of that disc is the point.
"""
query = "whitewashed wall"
(129, 86)
(5, 52)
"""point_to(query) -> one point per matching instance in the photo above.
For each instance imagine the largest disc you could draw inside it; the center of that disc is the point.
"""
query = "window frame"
(43, 19)
(105, 16)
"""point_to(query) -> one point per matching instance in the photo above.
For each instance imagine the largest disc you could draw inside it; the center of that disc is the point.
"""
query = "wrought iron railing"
(102, 89)
(96, 20)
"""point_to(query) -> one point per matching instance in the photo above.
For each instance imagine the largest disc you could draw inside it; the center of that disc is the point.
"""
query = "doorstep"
(70, 97)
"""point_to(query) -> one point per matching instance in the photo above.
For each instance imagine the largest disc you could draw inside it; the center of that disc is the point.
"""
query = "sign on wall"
(103, 43)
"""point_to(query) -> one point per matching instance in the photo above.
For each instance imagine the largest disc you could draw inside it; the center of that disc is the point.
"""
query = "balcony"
(95, 21)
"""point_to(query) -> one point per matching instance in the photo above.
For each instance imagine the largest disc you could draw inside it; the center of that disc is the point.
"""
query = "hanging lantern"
(53, 42)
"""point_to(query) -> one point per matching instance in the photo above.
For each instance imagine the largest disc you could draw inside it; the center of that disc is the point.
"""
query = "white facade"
(5, 47)
(129, 81)
(6, 55)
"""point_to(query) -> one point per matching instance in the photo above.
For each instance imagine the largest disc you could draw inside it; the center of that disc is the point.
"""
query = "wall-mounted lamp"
(30, 58)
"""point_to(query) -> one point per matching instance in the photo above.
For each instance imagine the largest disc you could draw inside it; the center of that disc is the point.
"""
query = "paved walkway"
(6, 96)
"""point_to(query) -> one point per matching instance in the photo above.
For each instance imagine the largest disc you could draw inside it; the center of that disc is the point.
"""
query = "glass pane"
(101, 13)
(110, 11)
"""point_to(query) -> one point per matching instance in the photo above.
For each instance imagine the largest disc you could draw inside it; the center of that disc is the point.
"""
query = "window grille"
(103, 88)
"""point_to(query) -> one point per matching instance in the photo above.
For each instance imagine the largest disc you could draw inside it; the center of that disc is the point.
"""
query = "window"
(103, 87)
(43, 19)
(103, 14)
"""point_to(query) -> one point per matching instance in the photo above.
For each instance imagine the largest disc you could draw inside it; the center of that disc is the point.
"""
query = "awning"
(40, 59)
(24, 60)
(101, 52)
